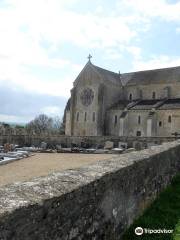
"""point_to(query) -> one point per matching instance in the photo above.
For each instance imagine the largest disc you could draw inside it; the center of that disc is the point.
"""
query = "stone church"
(138, 104)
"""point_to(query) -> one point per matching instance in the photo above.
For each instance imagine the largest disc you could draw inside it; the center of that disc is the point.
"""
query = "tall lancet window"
(153, 95)
(139, 119)
(140, 94)
(169, 119)
(85, 116)
(115, 119)
(94, 117)
(77, 116)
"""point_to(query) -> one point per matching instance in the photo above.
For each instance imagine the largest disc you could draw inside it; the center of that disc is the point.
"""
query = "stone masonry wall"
(69, 140)
(98, 201)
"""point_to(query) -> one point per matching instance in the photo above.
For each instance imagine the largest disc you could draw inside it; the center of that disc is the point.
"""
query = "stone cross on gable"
(89, 57)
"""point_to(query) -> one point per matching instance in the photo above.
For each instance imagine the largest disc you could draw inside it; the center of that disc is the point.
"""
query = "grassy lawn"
(164, 213)
(177, 231)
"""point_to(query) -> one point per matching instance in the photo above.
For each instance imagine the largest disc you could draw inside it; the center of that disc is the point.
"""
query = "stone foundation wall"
(98, 201)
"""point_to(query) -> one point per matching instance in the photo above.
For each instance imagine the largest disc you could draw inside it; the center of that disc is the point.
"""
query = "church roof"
(145, 104)
(171, 104)
(163, 75)
(135, 105)
(148, 104)
(109, 75)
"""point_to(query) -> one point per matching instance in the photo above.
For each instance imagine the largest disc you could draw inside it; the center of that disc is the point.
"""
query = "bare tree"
(30, 128)
(42, 124)
(57, 125)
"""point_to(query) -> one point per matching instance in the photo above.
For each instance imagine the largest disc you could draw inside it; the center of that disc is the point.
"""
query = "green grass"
(176, 234)
(164, 213)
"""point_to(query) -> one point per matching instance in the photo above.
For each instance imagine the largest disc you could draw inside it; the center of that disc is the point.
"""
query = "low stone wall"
(98, 201)
(78, 140)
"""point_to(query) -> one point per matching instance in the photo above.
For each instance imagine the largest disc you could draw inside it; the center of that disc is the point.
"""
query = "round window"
(87, 96)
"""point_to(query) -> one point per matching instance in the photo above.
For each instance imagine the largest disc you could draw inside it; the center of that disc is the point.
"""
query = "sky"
(44, 45)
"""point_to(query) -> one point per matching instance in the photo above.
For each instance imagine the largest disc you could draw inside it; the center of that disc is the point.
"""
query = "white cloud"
(54, 22)
(88, 30)
(52, 110)
(28, 82)
(154, 8)
(135, 52)
(19, 52)
(14, 118)
(178, 30)
(155, 62)
(13, 74)
(25, 24)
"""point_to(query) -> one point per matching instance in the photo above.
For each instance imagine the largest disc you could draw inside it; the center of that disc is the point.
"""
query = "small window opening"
(153, 95)
(94, 116)
(169, 119)
(138, 133)
(115, 119)
(130, 96)
(140, 94)
(77, 117)
(85, 116)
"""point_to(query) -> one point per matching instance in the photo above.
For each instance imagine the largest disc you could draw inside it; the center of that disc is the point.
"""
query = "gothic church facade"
(136, 104)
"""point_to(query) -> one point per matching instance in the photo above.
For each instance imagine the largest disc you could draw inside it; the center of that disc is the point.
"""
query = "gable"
(87, 76)
(91, 73)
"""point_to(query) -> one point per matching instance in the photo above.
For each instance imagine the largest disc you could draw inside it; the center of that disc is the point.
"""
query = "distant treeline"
(41, 125)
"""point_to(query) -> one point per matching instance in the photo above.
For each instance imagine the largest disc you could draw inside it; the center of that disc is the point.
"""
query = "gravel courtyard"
(42, 164)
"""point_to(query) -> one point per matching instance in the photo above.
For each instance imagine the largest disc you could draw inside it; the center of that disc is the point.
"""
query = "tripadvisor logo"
(140, 231)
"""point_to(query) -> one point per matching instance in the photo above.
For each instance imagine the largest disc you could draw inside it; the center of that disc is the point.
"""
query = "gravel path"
(42, 164)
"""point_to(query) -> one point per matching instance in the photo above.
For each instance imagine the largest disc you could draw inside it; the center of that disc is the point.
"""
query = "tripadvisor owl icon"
(138, 231)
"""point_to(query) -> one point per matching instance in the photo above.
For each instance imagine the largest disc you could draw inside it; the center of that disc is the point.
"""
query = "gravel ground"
(42, 164)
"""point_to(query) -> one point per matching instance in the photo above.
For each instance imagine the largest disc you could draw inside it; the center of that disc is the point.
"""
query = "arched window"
(85, 116)
(153, 95)
(94, 117)
(139, 119)
(130, 97)
(115, 119)
(167, 91)
(77, 116)
(169, 119)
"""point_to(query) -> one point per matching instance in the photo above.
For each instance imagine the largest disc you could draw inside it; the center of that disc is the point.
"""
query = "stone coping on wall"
(36, 191)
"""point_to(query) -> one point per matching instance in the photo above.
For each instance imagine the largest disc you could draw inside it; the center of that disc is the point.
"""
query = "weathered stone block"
(108, 145)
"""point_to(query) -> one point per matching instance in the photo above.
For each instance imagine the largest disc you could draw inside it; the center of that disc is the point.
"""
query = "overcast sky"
(45, 43)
